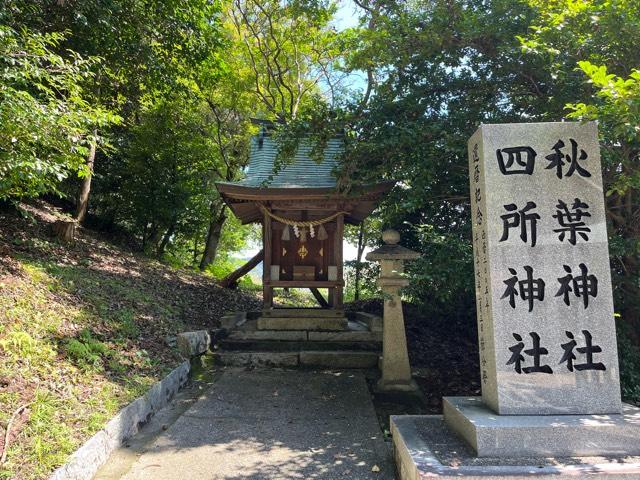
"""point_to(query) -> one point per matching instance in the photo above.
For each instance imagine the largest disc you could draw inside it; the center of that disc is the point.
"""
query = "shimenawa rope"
(300, 223)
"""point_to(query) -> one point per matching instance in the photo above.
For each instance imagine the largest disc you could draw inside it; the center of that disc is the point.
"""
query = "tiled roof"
(303, 172)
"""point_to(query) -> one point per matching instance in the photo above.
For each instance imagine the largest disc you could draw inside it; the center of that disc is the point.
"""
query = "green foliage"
(369, 272)
(289, 47)
(185, 78)
(223, 267)
(594, 66)
(52, 438)
(226, 264)
(20, 345)
(616, 106)
(86, 351)
(441, 68)
(438, 69)
(164, 182)
(46, 120)
(629, 354)
(296, 297)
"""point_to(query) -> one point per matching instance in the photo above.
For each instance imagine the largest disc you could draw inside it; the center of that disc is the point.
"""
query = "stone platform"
(493, 435)
(302, 312)
(303, 323)
(300, 338)
(425, 448)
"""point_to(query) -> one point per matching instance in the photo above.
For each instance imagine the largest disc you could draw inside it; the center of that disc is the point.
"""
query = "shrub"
(629, 355)
(86, 351)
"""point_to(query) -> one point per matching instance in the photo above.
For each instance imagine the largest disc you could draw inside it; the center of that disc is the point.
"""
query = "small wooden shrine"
(302, 217)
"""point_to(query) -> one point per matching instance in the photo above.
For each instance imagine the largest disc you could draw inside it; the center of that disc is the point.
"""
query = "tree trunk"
(152, 238)
(144, 236)
(167, 237)
(213, 236)
(195, 248)
(85, 188)
(624, 222)
(65, 230)
(231, 280)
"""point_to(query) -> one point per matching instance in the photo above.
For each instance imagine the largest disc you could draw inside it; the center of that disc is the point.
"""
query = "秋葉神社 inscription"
(544, 302)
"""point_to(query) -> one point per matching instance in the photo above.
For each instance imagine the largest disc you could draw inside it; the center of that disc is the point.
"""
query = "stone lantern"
(396, 371)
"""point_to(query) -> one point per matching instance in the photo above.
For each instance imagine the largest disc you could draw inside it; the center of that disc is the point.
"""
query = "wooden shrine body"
(310, 263)
(300, 192)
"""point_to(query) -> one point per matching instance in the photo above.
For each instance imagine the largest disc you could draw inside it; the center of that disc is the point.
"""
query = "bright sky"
(346, 16)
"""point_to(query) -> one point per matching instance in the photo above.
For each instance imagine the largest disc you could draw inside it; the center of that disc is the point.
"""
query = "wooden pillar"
(267, 290)
(338, 255)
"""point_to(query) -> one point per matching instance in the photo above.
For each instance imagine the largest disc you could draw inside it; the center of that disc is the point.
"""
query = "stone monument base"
(424, 447)
(493, 435)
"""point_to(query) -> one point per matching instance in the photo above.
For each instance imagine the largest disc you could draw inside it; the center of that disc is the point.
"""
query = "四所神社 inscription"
(543, 289)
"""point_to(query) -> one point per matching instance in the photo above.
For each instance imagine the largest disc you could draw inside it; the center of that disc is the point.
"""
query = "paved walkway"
(266, 424)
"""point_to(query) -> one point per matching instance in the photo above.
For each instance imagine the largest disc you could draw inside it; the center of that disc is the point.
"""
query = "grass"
(51, 356)
(82, 333)
(295, 297)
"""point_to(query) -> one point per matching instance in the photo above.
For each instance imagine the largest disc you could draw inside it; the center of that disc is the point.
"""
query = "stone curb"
(193, 344)
(85, 462)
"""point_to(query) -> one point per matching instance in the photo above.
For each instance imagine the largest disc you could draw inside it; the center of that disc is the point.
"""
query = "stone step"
(274, 335)
(296, 346)
(348, 359)
(373, 322)
(348, 336)
(303, 335)
(256, 359)
(303, 323)
(303, 312)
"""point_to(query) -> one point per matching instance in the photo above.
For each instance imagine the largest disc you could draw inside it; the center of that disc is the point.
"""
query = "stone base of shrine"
(425, 447)
(493, 435)
(296, 319)
(297, 338)
(321, 324)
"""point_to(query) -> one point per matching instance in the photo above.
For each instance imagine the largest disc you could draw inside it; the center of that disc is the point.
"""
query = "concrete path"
(269, 424)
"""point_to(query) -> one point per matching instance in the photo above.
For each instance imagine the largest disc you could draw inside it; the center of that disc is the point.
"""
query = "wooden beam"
(304, 284)
(320, 299)
(267, 290)
(338, 255)
(231, 280)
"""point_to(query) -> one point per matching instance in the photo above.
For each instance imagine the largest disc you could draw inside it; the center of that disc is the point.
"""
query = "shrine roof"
(302, 172)
(302, 180)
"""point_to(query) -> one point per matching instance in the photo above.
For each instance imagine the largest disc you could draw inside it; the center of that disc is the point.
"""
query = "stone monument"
(550, 402)
(396, 371)
(546, 329)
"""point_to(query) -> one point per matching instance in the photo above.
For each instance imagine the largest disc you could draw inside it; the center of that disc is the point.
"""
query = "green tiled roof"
(303, 172)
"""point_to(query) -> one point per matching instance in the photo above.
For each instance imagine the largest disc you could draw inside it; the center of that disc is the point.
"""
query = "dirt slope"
(82, 332)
